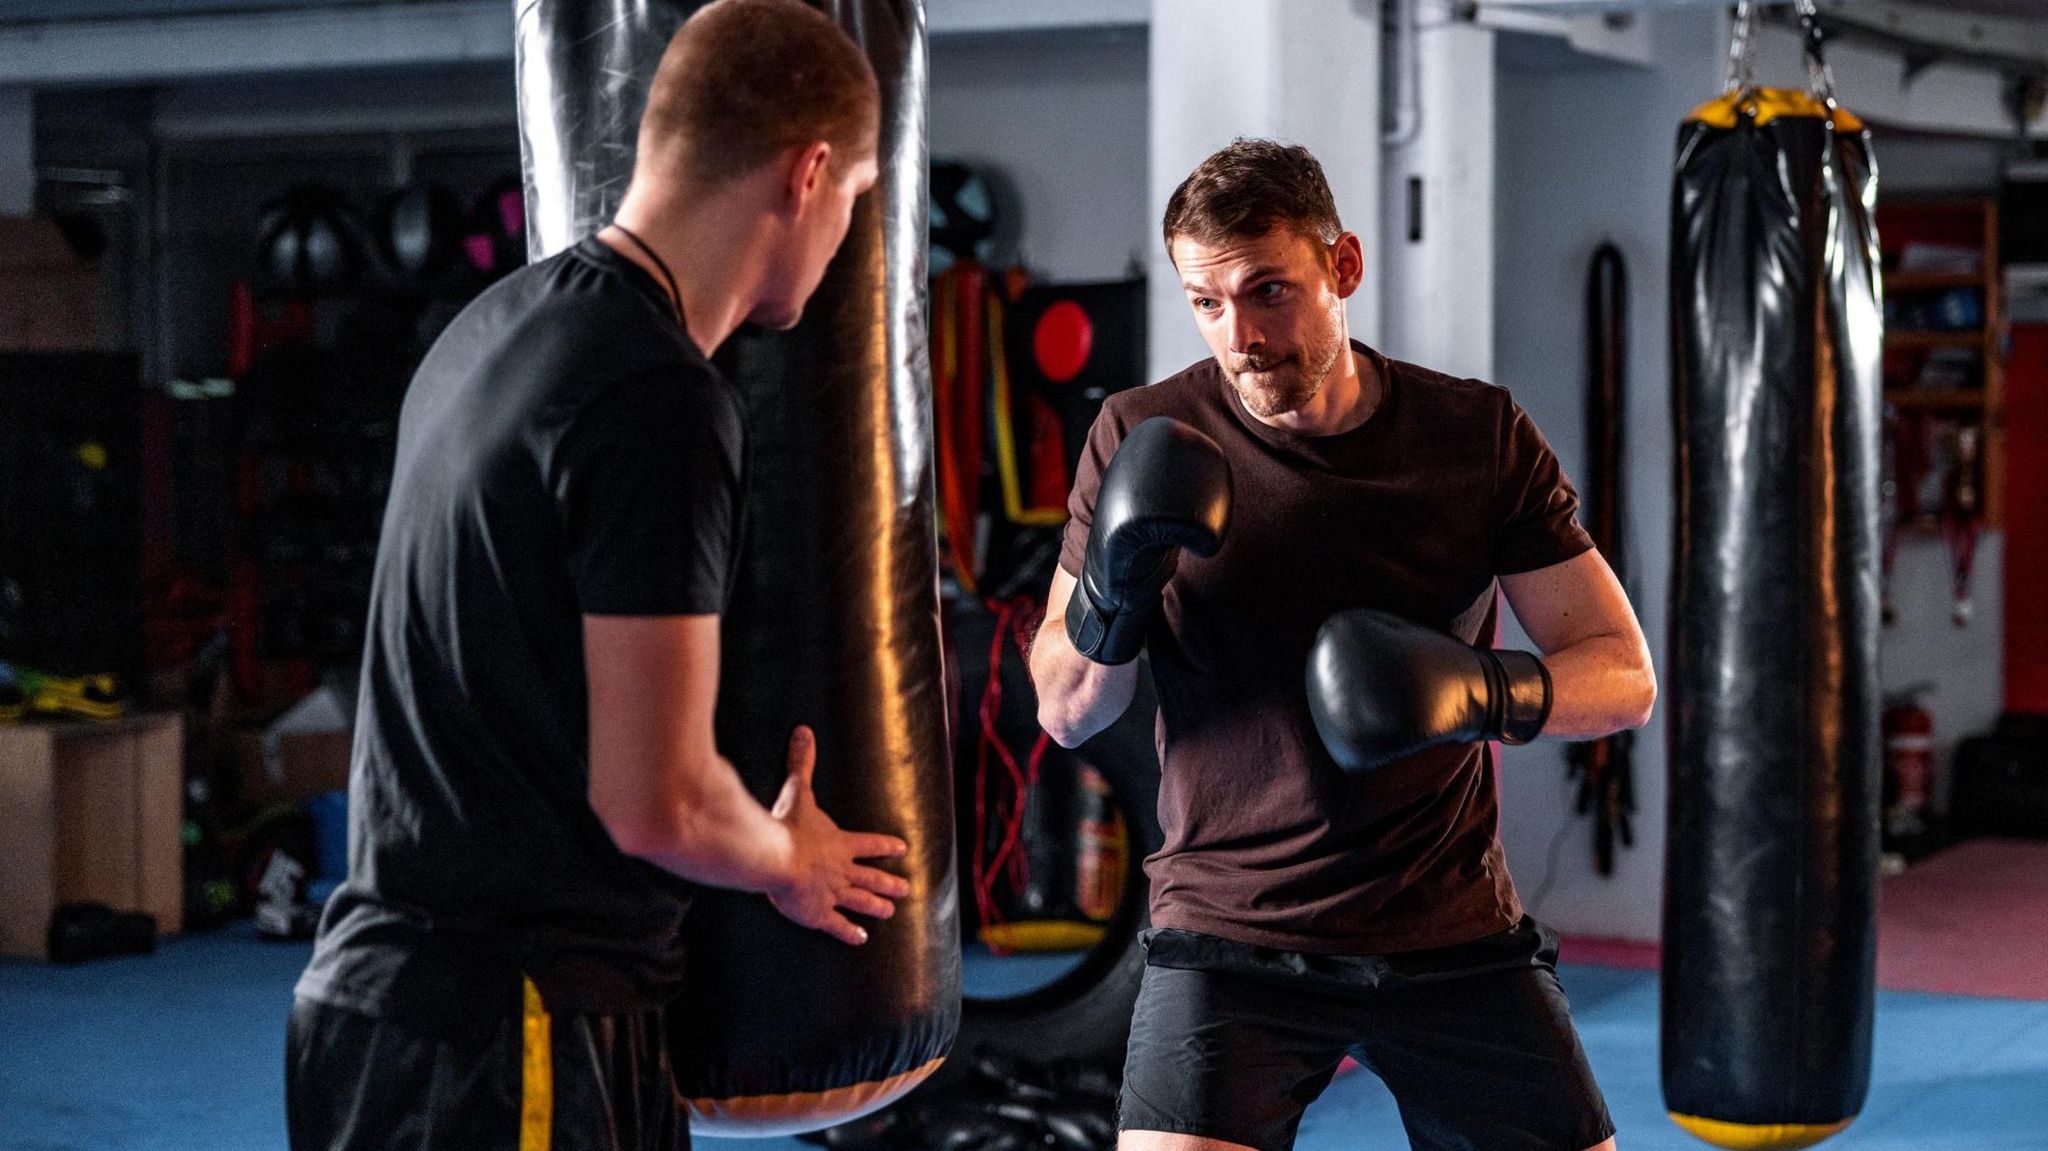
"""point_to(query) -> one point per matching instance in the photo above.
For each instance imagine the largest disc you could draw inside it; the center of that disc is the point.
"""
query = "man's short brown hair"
(744, 80)
(1248, 189)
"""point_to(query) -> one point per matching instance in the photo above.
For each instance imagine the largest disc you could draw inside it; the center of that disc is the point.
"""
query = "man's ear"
(807, 173)
(1347, 258)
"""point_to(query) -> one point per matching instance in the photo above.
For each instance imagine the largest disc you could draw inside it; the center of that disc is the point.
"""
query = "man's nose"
(1245, 339)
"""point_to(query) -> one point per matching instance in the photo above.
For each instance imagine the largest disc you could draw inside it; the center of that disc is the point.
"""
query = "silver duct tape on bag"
(834, 620)
(584, 70)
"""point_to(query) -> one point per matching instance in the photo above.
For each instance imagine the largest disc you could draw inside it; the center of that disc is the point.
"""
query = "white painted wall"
(1584, 155)
(1303, 71)
(1438, 299)
(1961, 666)
(1064, 118)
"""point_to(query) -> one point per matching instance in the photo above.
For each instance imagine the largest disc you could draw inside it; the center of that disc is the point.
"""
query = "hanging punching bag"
(834, 619)
(1770, 876)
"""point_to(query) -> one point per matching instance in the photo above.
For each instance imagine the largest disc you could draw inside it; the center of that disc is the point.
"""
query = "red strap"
(1016, 620)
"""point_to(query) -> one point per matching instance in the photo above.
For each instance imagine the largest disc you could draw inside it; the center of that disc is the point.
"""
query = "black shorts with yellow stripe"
(524, 1081)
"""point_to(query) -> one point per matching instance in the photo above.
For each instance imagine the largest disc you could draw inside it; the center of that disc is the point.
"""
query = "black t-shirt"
(564, 450)
(1415, 511)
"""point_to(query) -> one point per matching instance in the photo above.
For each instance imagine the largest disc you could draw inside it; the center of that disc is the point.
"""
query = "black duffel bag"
(2001, 779)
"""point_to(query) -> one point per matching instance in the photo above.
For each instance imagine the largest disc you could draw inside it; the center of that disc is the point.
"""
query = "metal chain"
(1741, 48)
(1818, 75)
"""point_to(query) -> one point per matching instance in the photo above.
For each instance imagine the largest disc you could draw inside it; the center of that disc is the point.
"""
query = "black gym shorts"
(520, 1080)
(1233, 1042)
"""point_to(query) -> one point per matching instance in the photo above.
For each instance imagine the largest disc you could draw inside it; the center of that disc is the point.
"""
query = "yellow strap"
(1758, 1136)
(1006, 435)
(1767, 104)
(1043, 935)
(536, 1076)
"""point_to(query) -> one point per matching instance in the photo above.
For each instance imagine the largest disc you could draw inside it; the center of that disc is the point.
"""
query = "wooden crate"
(89, 812)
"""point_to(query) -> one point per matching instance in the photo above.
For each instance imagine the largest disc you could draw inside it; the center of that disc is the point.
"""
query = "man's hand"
(1167, 489)
(1381, 688)
(824, 876)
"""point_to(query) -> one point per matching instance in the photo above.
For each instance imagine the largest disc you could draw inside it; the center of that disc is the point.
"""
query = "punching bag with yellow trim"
(1770, 874)
(834, 616)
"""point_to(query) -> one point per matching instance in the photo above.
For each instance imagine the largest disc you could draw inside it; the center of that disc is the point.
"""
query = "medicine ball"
(422, 230)
(309, 239)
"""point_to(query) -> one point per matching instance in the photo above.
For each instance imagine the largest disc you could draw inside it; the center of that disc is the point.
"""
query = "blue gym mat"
(184, 1050)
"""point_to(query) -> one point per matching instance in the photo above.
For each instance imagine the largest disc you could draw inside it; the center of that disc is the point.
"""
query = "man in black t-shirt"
(1308, 539)
(535, 789)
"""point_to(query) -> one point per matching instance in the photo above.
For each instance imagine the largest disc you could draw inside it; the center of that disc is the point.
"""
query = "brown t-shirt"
(1415, 511)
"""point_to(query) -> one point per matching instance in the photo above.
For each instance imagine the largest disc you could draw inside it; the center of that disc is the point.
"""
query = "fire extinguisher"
(1105, 849)
(1908, 767)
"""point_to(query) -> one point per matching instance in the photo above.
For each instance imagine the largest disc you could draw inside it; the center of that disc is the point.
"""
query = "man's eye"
(1272, 290)
(1204, 304)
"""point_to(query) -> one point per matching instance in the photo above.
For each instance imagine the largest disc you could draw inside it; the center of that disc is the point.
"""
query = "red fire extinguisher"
(1908, 767)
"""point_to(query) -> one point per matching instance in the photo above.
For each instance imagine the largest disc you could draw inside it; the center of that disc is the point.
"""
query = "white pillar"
(1303, 71)
(17, 152)
(1438, 205)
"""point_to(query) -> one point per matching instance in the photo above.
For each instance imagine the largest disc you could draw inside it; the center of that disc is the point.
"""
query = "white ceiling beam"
(1873, 81)
(1966, 35)
(17, 152)
(1595, 35)
(172, 48)
(1555, 7)
(950, 17)
(453, 98)
(1932, 28)
(161, 49)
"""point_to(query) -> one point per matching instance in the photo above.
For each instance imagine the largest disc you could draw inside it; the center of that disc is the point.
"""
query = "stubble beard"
(1287, 391)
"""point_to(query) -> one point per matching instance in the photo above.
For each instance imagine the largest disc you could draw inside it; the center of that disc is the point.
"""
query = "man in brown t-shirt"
(1332, 880)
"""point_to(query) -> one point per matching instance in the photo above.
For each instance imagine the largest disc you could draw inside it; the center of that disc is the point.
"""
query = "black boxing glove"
(1167, 489)
(1381, 688)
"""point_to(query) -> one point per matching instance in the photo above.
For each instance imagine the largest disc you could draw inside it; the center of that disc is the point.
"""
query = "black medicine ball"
(422, 230)
(309, 239)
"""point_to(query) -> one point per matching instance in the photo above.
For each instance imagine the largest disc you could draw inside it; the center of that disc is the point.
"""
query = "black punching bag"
(834, 621)
(1770, 875)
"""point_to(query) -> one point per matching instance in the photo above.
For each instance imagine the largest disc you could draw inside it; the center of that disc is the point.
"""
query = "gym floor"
(183, 1050)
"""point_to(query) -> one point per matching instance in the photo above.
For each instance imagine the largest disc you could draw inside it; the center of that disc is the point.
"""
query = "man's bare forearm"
(1598, 686)
(1077, 697)
(716, 833)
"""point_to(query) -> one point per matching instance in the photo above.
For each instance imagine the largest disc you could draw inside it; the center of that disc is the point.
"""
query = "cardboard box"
(90, 812)
(305, 763)
(49, 301)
